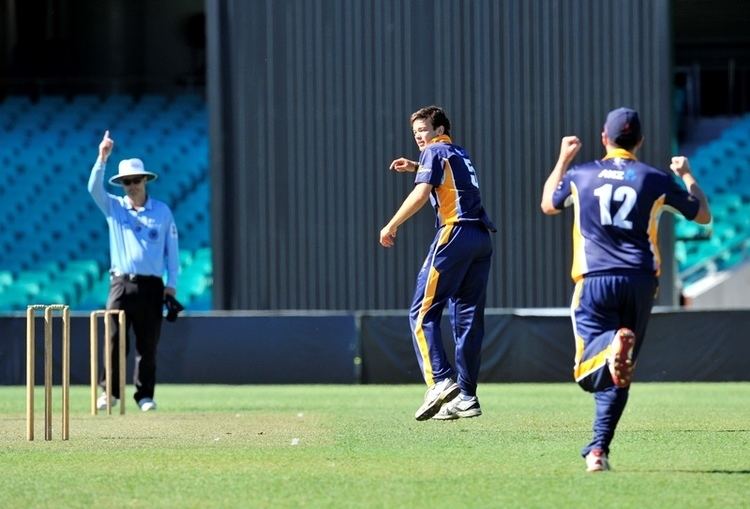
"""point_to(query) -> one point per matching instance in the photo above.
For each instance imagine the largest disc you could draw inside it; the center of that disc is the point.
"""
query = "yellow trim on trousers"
(429, 295)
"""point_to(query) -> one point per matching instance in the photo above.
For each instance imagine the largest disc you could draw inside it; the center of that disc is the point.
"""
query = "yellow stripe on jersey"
(653, 231)
(582, 369)
(447, 196)
(429, 295)
(580, 267)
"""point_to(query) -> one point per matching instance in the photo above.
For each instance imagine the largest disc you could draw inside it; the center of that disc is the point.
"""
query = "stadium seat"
(39, 277)
(13, 301)
(202, 302)
(731, 259)
(6, 278)
(723, 167)
(67, 239)
(687, 230)
(88, 268)
(52, 296)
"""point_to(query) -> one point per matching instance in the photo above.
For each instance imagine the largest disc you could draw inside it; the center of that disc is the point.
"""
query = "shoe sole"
(621, 367)
(464, 414)
(429, 412)
(449, 417)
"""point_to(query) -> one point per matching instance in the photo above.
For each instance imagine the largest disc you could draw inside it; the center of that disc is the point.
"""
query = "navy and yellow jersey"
(455, 194)
(618, 201)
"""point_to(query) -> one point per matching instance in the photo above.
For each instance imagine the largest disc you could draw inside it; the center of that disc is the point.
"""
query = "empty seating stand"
(55, 245)
(723, 170)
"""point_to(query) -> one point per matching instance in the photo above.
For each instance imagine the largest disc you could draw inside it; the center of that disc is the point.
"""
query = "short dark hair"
(435, 115)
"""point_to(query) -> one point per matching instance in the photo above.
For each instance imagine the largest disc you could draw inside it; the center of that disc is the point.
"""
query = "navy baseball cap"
(623, 126)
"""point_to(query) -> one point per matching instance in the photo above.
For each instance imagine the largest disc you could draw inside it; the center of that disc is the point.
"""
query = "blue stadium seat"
(67, 239)
(52, 296)
(6, 278)
(13, 301)
(723, 167)
(202, 302)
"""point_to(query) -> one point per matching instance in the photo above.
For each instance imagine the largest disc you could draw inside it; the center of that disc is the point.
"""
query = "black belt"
(133, 277)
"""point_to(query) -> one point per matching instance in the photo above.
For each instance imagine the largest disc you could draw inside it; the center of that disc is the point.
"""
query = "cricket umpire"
(143, 243)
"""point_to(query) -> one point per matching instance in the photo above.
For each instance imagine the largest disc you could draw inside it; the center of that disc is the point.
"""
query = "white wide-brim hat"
(131, 168)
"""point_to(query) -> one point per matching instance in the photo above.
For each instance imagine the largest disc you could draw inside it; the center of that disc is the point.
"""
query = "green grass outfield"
(678, 446)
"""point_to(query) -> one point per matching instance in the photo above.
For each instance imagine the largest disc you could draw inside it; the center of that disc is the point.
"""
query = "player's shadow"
(698, 471)
(712, 471)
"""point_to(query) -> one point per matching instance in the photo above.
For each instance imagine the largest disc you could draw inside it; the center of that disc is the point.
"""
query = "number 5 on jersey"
(472, 172)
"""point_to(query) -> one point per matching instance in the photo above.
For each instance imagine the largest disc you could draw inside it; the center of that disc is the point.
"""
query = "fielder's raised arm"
(569, 147)
(681, 167)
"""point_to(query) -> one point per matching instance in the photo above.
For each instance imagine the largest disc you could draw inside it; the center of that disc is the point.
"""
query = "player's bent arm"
(569, 147)
(549, 209)
(411, 205)
(704, 212)
(550, 185)
(403, 164)
(413, 202)
(681, 167)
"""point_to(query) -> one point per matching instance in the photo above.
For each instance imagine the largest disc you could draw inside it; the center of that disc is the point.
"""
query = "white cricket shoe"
(147, 404)
(459, 407)
(439, 393)
(596, 461)
(101, 402)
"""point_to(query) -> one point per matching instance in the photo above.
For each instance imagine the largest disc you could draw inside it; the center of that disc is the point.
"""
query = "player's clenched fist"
(569, 147)
(680, 165)
(105, 147)
(387, 236)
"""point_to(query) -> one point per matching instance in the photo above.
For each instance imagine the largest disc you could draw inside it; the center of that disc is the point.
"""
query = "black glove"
(173, 307)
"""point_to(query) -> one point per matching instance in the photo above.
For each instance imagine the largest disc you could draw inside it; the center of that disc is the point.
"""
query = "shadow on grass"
(713, 471)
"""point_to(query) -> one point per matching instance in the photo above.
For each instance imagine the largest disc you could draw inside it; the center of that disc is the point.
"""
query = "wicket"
(30, 365)
(107, 314)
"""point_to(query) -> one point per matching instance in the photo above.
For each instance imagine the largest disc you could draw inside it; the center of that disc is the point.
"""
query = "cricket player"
(455, 271)
(617, 202)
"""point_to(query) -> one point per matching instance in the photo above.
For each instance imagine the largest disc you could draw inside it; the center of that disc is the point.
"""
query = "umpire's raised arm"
(96, 179)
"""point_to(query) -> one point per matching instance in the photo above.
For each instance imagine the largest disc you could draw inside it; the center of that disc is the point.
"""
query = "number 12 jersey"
(617, 204)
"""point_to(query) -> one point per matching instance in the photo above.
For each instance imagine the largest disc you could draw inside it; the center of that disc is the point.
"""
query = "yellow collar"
(440, 138)
(620, 153)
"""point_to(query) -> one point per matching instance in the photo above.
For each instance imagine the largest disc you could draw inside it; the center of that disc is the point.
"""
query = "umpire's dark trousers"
(142, 298)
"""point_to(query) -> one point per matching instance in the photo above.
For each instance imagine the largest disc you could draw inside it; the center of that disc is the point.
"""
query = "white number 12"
(625, 194)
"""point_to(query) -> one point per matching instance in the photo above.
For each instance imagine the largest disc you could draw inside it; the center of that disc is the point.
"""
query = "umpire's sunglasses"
(127, 182)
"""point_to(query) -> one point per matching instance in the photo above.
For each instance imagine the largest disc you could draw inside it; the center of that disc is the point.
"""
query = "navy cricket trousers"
(602, 305)
(455, 272)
